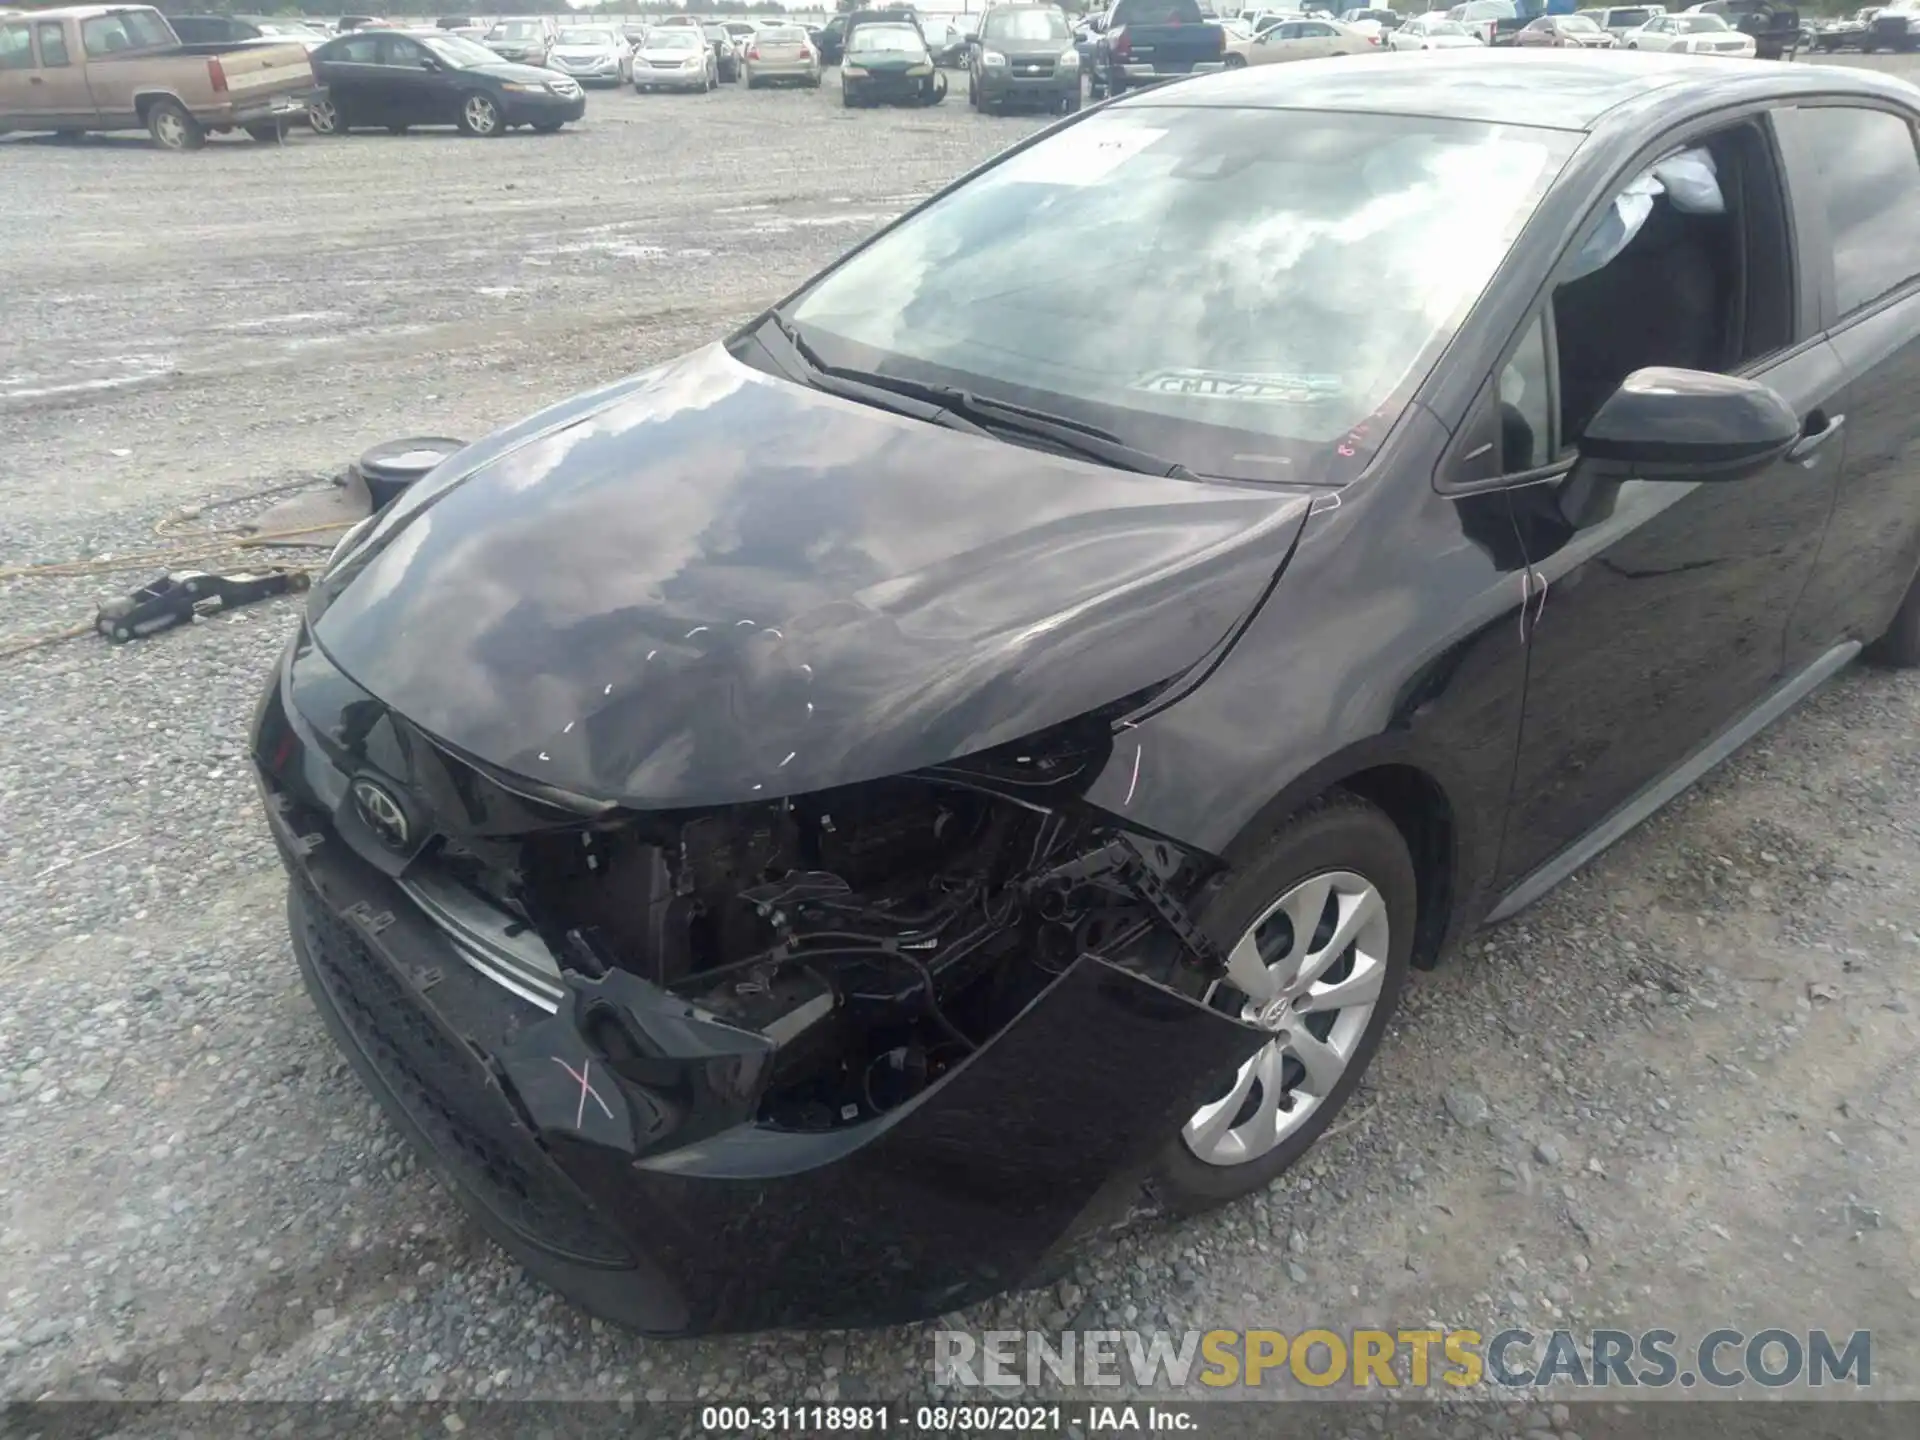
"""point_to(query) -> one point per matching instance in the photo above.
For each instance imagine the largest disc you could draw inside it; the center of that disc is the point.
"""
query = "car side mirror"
(1670, 424)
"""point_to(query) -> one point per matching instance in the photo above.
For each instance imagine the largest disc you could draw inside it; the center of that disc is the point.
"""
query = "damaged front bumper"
(649, 1144)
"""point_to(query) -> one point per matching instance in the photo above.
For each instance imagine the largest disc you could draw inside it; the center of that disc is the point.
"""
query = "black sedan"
(797, 835)
(393, 80)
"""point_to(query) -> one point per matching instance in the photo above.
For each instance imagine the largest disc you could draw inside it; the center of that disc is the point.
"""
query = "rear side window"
(16, 48)
(125, 30)
(53, 42)
(1870, 177)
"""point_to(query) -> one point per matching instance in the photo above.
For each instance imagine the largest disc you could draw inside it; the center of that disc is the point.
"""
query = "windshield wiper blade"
(868, 390)
(963, 410)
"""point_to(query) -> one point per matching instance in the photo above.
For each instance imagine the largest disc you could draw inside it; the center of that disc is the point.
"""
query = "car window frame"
(1808, 208)
(39, 47)
(1809, 326)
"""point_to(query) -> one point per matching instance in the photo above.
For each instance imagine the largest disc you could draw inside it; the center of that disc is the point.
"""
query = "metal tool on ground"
(176, 598)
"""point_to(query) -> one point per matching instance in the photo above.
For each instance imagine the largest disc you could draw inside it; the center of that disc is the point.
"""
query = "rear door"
(1855, 175)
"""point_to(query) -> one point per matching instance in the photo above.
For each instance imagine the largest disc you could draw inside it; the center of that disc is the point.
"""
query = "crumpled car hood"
(705, 585)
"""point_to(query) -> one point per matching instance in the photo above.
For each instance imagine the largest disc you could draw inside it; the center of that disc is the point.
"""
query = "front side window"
(53, 42)
(1305, 270)
(1869, 175)
(459, 53)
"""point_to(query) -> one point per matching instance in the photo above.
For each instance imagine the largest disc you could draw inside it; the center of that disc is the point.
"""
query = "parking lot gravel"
(1678, 1093)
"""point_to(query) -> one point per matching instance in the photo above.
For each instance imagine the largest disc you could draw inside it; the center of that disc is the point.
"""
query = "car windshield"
(674, 40)
(888, 39)
(597, 39)
(1443, 27)
(1699, 24)
(1304, 270)
(1026, 25)
(459, 53)
(289, 27)
(515, 30)
(1629, 18)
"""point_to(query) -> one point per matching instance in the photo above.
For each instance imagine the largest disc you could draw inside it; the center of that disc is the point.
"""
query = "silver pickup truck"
(121, 67)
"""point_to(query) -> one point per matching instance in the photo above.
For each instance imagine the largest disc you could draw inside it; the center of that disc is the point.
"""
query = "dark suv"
(1775, 28)
(1023, 55)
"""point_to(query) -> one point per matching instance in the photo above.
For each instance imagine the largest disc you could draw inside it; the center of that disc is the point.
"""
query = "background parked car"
(1496, 22)
(394, 79)
(1895, 27)
(1775, 28)
(675, 57)
(1692, 35)
(888, 63)
(781, 54)
(1432, 31)
(526, 41)
(1562, 32)
(1621, 21)
(1023, 56)
(94, 68)
(1304, 40)
(1384, 19)
(592, 54)
(726, 52)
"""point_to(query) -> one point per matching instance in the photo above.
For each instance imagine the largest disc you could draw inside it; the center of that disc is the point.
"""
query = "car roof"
(1559, 90)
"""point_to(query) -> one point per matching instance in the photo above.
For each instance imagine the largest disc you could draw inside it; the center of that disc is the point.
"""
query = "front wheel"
(173, 128)
(1235, 62)
(1318, 926)
(325, 117)
(480, 115)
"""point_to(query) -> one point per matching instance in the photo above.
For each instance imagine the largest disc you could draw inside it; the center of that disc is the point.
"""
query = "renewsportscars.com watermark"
(1404, 1359)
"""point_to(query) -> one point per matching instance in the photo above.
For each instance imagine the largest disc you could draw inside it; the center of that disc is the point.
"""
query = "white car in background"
(1692, 35)
(1307, 39)
(1621, 21)
(592, 54)
(1432, 31)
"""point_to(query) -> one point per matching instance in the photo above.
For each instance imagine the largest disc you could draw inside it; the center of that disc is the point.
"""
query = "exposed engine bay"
(877, 933)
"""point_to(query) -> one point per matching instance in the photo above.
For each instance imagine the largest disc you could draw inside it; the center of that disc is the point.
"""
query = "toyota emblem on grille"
(381, 812)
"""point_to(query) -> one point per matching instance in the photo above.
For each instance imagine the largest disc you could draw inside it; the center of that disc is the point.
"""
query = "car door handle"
(1807, 448)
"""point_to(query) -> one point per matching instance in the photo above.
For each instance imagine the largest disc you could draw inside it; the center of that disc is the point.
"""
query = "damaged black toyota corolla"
(804, 834)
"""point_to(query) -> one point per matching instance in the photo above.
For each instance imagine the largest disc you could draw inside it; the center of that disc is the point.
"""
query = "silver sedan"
(781, 53)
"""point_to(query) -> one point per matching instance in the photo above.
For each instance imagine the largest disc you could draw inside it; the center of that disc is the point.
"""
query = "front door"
(1658, 624)
(64, 82)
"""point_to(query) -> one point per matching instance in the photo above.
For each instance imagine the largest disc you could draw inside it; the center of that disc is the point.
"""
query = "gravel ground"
(1675, 1094)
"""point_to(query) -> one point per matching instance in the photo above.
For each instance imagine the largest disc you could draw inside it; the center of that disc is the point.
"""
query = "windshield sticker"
(1261, 389)
(1082, 155)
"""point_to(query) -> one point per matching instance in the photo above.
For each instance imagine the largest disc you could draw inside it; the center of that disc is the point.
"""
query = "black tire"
(326, 116)
(1234, 62)
(172, 127)
(1337, 832)
(1899, 647)
(271, 133)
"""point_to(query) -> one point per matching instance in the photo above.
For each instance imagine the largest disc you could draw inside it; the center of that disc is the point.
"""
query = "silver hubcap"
(480, 114)
(1309, 970)
(171, 131)
(320, 116)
